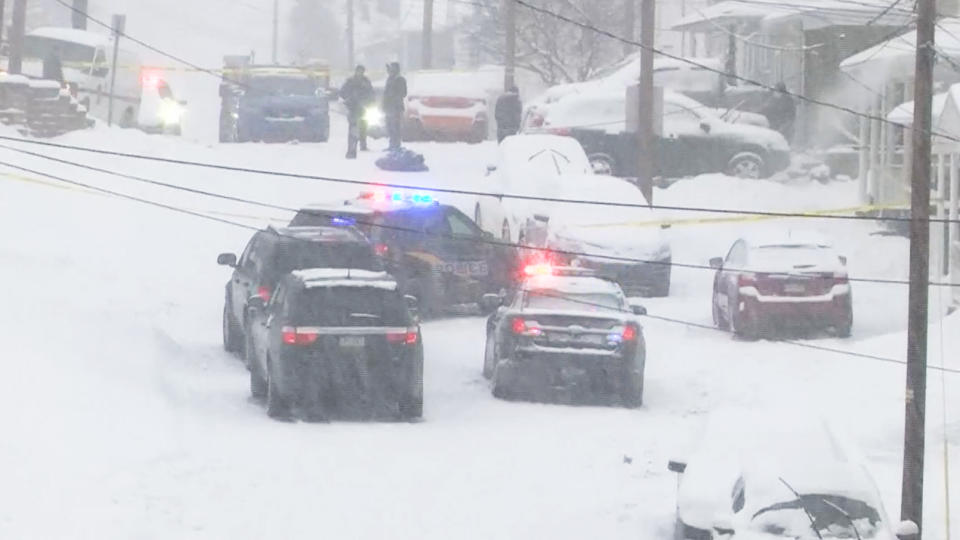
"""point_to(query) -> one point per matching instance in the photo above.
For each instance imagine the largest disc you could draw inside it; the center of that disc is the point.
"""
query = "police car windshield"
(276, 85)
(351, 306)
(300, 255)
(558, 300)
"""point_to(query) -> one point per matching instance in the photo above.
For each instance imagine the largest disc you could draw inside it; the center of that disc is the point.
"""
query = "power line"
(453, 191)
(476, 240)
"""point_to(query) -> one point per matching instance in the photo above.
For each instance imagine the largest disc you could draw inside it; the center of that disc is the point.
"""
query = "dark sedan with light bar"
(567, 336)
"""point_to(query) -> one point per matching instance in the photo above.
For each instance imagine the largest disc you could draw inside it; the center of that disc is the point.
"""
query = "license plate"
(352, 341)
(471, 268)
(794, 288)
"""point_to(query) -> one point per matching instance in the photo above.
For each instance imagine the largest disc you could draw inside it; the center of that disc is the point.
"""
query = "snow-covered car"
(445, 105)
(566, 336)
(694, 139)
(336, 343)
(787, 278)
(623, 244)
(763, 476)
(527, 165)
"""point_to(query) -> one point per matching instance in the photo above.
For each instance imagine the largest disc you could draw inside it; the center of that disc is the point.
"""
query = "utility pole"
(351, 60)
(629, 23)
(426, 59)
(911, 504)
(119, 26)
(276, 31)
(2, 13)
(645, 132)
(18, 29)
(78, 16)
(510, 44)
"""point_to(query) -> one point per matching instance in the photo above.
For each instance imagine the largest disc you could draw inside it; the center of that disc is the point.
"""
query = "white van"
(87, 58)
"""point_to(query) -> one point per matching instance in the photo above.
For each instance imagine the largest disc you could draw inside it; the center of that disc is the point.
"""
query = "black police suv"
(274, 252)
(336, 343)
(436, 252)
(569, 337)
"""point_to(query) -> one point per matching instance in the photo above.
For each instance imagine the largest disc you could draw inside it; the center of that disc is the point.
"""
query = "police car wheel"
(277, 406)
(258, 385)
(490, 356)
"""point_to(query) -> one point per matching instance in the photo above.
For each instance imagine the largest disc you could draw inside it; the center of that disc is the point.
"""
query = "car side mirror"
(843, 260)
(491, 169)
(227, 259)
(490, 301)
(705, 126)
(907, 530)
(723, 527)
(412, 301)
(256, 302)
(676, 466)
(716, 262)
(637, 309)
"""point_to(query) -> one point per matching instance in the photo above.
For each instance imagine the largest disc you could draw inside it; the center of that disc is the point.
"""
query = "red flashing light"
(150, 79)
(520, 327)
(403, 338)
(629, 333)
(379, 196)
(264, 293)
(381, 249)
(543, 269)
(298, 336)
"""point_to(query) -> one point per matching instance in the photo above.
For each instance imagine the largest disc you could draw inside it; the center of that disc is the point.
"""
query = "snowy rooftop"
(896, 56)
(90, 39)
(812, 13)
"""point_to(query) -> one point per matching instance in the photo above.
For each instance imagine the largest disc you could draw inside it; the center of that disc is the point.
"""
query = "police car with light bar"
(435, 251)
(566, 336)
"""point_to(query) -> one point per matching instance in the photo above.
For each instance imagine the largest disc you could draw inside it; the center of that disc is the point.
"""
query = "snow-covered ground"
(123, 417)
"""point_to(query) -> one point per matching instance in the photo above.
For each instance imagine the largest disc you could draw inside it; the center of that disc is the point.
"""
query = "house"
(800, 43)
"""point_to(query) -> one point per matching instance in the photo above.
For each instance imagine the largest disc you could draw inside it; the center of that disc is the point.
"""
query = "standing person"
(508, 113)
(780, 110)
(356, 93)
(394, 94)
(53, 65)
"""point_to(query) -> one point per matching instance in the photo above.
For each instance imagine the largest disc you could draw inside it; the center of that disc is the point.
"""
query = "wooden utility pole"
(510, 44)
(78, 16)
(18, 28)
(629, 24)
(351, 60)
(119, 25)
(2, 13)
(426, 59)
(911, 504)
(276, 31)
(645, 134)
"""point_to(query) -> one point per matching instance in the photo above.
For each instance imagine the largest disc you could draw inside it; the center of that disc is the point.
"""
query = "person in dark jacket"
(780, 110)
(53, 66)
(357, 94)
(394, 94)
(508, 113)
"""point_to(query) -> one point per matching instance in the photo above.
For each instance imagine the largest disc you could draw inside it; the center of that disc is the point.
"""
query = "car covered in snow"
(275, 251)
(762, 476)
(566, 336)
(336, 343)
(694, 138)
(795, 279)
(446, 105)
(435, 251)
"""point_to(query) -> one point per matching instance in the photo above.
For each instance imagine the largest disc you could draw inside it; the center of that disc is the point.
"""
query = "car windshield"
(351, 306)
(549, 299)
(277, 85)
(830, 514)
(37, 47)
(300, 255)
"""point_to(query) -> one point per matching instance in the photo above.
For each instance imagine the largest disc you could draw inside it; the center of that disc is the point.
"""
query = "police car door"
(468, 249)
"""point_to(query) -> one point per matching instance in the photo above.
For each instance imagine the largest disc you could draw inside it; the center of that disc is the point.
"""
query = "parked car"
(694, 139)
(566, 336)
(777, 475)
(445, 105)
(436, 253)
(336, 343)
(274, 252)
(793, 279)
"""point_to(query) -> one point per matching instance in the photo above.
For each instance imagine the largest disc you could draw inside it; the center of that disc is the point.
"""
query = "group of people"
(358, 96)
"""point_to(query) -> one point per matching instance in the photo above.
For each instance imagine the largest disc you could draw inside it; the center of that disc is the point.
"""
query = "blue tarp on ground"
(402, 160)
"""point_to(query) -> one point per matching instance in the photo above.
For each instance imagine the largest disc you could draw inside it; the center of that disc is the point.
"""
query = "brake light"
(521, 328)
(747, 280)
(561, 131)
(264, 293)
(403, 338)
(841, 279)
(381, 249)
(298, 336)
(629, 333)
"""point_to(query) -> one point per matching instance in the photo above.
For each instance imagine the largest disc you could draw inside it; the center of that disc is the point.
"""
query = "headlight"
(373, 116)
(170, 112)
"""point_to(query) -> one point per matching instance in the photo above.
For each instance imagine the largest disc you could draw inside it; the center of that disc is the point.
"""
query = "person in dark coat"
(53, 66)
(357, 94)
(508, 113)
(394, 94)
(780, 110)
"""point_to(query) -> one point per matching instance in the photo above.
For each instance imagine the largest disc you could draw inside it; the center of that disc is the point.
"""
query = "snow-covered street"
(124, 418)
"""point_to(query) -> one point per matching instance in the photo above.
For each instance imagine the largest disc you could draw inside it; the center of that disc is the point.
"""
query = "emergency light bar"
(397, 197)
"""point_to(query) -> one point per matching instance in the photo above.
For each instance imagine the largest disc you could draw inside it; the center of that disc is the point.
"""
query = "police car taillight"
(403, 338)
(381, 249)
(521, 327)
(298, 336)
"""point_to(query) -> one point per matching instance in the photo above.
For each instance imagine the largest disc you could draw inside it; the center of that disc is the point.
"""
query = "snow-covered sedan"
(566, 336)
(764, 476)
(792, 279)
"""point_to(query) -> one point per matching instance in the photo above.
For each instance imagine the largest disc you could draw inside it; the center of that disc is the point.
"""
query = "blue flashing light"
(343, 222)
(397, 197)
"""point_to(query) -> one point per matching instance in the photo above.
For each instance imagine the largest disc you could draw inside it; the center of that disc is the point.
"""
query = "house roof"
(811, 13)
(895, 57)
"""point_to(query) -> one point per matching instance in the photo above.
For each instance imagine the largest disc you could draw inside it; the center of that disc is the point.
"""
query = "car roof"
(572, 284)
(786, 237)
(344, 277)
(319, 234)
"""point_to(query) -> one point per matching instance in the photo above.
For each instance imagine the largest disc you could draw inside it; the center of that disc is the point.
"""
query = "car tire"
(632, 395)
(277, 406)
(258, 385)
(490, 356)
(232, 333)
(719, 320)
(748, 165)
(602, 164)
(844, 328)
(745, 323)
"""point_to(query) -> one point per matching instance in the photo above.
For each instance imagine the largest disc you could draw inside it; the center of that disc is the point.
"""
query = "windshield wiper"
(845, 514)
(813, 523)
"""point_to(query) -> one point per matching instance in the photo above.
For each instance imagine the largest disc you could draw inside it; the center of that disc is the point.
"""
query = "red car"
(787, 280)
